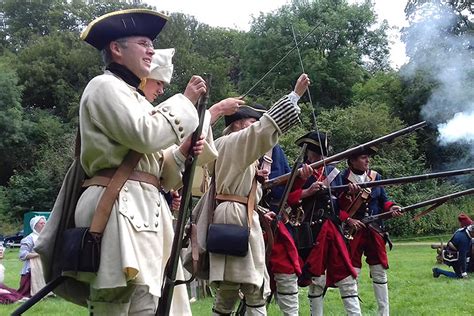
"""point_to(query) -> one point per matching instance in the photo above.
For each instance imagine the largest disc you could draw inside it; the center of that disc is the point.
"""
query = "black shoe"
(435, 273)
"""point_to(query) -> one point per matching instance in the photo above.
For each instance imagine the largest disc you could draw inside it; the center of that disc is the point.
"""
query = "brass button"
(139, 226)
(176, 121)
(158, 203)
(125, 188)
(157, 214)
(180, 128)
(132, 216)
(165, 109)
(146, 225)
(171, 114)
(156, 224)
(124, 199)
(182, 135)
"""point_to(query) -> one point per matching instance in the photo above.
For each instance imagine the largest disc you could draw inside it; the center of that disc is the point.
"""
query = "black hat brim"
(124, 23)
(313, 144)
(244, 112)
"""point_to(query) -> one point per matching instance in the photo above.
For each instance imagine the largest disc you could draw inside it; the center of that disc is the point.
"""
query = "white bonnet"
(161, 68)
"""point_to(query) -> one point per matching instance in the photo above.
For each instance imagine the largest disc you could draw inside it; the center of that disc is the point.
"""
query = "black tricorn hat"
(245, 111)
(119, 24)
(370, 151)
(313, 143)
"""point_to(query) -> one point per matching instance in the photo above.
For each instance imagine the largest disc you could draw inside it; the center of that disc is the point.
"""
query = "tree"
(333, 55)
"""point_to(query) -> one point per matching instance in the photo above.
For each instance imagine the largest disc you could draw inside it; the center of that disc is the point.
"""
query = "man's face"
(243, 123)
(136, 54)
(153, 89)
(360, 163)
(313, 156)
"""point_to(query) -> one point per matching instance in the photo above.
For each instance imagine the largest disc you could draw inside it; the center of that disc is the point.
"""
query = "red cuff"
(388, 205)
(294, 197)
(343, 215)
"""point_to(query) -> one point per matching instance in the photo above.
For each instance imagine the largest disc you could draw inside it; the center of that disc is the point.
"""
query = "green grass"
(413, 290)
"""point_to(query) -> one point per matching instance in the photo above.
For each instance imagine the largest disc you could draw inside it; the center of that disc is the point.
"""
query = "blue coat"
(462, 241)
(279, 167)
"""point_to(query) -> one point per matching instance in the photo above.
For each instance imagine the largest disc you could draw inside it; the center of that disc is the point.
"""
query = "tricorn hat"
(370, 151)
(246, 111)
(161, 67)
(312, 139)
(124, 23)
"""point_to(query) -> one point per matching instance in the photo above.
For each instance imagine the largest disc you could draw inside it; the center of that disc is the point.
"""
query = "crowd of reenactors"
(262, 241)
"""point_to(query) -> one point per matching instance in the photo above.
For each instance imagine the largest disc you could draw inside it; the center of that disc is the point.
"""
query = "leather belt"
(232, 198)
(102, 178)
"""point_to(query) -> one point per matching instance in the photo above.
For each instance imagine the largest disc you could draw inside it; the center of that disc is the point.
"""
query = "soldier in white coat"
(250, 134)
(114, 118)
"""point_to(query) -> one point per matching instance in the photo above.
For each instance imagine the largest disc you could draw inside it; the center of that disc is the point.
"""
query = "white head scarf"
(161, 67)
(33, 222)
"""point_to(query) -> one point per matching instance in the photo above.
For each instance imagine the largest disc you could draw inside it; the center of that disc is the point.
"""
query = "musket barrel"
(349, 152)
(403, 180)
(171, 268)
(437, 200)
(408, 208)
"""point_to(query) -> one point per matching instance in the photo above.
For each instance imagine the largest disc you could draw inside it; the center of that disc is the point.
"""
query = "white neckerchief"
(359, 178)
(35, 236)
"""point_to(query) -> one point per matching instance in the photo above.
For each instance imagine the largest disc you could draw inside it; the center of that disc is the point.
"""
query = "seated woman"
(7, 295)
(28, 255)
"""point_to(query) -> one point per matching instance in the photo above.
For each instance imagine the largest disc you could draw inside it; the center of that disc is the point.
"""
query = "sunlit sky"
(238, 15)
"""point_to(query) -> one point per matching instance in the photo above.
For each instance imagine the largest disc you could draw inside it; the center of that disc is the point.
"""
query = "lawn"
(413, 290)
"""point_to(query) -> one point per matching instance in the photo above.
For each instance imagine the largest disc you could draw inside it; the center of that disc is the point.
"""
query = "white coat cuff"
(179, 158)
(294, 97)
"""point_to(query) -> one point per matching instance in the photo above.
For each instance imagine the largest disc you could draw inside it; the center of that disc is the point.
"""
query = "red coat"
(329, 254)
(284, 257)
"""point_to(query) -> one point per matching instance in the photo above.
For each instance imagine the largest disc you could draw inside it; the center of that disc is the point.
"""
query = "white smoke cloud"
(459, 129)
(449, 58)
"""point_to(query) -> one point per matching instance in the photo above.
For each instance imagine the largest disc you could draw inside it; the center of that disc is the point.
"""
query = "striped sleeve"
(285, 113)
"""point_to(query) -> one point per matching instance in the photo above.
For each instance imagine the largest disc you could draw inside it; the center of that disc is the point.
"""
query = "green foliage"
(54, 71)
(332, 56)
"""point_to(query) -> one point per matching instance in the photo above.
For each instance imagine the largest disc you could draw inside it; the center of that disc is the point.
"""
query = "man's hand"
(197, 149)
(355, 223)
(175, 200)
(263, 173)
(396, 211)
(227, 106)
(354, 189)
(315, 187)
(269, 216)
(195, 88)
(302, 84)
(306, 172)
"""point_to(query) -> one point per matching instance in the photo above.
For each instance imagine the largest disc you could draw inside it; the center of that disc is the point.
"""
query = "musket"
(169, 281)
(403, 180)
(437, 201)
(289, 185)
(347, 153)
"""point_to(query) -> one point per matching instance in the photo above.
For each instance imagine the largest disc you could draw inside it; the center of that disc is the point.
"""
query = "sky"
(238, 15)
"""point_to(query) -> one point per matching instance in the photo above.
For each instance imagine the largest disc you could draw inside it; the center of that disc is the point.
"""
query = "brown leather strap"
(104, 207)
(249, 202)
(232, 198)
(103, 177)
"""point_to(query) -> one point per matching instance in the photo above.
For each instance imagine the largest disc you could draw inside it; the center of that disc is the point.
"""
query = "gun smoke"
(434, 49)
